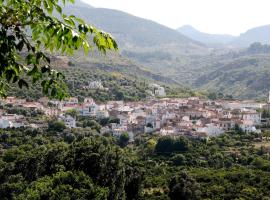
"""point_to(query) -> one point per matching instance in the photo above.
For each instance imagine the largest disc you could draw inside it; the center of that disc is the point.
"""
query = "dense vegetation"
(121, 79)
(81, 164)
(246, 77)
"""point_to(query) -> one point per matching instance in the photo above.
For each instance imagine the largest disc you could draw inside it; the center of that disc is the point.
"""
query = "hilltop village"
(192, 117)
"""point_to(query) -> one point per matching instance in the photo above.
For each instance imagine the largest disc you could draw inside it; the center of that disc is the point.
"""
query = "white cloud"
(212, 16)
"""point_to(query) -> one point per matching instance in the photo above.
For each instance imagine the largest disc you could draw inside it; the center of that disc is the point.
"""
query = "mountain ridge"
(206, 38)
(257, 34)
(252, 35)
(132, 32)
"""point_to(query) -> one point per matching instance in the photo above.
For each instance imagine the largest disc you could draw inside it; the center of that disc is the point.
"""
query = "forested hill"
(134, 33)
(246, 77)
(121, 78)
(244, 74)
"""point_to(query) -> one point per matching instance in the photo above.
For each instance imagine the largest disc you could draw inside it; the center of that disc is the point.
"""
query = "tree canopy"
(30, 32)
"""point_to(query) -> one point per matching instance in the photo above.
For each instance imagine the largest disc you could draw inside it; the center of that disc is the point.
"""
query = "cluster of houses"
(192, 117)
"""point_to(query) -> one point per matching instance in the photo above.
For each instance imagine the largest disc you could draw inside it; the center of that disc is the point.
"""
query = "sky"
(211, 16)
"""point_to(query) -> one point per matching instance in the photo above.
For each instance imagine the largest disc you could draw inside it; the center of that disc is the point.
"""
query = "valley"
(125, 108)
(186, 57)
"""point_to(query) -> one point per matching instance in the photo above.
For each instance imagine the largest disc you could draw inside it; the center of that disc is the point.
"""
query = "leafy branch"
(22, 57)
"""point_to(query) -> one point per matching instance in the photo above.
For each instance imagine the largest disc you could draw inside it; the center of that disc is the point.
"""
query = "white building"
(248, 126)
(11, 121)
(252, 116)
(160, 91)
(4, 123)
(95, 85)
(100, 114)
(69, 121)
(167, 131)
(88, 109)
(211, 130)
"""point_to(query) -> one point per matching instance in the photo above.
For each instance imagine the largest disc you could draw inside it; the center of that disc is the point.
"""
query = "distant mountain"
(170, 57)
(134, 33)
(259, 34)
(208, 39)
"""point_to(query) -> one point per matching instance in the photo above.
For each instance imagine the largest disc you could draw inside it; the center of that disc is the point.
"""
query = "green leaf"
(39, 55)
(22, 83)
(53, 92)
(43, 83)
(70, 22)
(81, 21)
(30, 59)
(9, 74)
(58, 8)
(33, 71)
(15, 79)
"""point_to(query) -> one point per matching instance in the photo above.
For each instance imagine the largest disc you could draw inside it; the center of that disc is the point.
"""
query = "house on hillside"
(69, 104)
(69, 121)
(95, 85)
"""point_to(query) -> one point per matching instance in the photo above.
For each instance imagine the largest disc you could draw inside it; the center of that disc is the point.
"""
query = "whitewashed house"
(167, 131)
(4, 123)
(88, 109)
(211, 129)
(11, 121)
(160, 91)
(95, 85)
(252, 116)
(101, 114)
(69, 121)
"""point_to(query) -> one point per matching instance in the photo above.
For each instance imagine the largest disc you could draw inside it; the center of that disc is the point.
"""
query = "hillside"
(245, 77)
(146, 42)
(121, 79)
(169, 57)
(259, 34)
(134, 33)
(212, 40)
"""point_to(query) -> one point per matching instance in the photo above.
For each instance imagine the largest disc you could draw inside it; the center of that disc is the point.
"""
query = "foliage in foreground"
(27, 28)
(79, 164)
